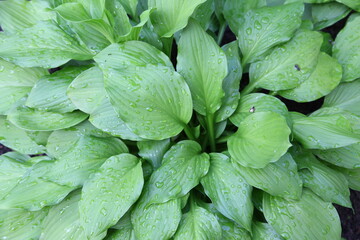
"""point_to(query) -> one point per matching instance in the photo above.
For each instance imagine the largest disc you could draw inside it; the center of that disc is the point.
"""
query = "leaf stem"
(211, 131)
(167, 45)
(221, 32)
(189, 132)
(248, 89)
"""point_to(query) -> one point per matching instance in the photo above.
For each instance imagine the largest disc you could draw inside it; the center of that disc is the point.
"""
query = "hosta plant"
(138, 120)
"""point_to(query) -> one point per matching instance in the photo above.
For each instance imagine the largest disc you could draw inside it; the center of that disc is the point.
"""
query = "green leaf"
(49, 93)
(72, 11)
(324, 132)
(267, 27)
(42, 45)
(153, 151)
(228, 190)
(105, 118)
(330, 185)
(262, 138)
(347, 157)
(130, 6)
(181, 170)
(280, 178)
(35, 120)
(18, 139)
(109, 193)
(287, 65)
(157, 221)
(122, 230)
(263, 231)
(231, 82)
(234, 11)
(16, 82)
(327, 14)
(171, 15)
(204, 66)
(258, 102)
(79, 154)
(153, 100)
(87, 90)
(203, 13)
(12, 169)
(325, 78)
(63, 220)
(230, 229)
(17, 15)
(345, 97)
(354, 4)
(21, 224)
(94, 7)
(198, 223)
(32, 192)
(347, 49)
(308, 218)
(353, 176)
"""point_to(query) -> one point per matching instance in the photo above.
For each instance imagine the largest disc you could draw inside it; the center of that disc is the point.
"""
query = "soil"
(350, 218)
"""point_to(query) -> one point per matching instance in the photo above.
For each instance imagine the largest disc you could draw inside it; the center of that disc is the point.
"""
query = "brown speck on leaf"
(252, 109)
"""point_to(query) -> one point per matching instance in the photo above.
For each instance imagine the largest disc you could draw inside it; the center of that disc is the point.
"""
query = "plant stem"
(221, 32)
(248, 89)
(167, 45)
(189, 132)
(211, 131)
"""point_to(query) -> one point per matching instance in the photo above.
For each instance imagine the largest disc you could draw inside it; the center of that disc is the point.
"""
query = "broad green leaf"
(287, 65)
(181, 170)
(12, 169)
(354, 4)
(94, 7)
(63, 220)
(153, 151)
(18, 139)
(324, 132)
(16, 82)
(87, 90)
(308, 218)
(21, 224)
(105, 118)
(231, 82)
(234, 11)
(330, 185)
(153, 100)
(347, 157)
(79, 154)
(204, 66)
(109, 193)
(203, 13)
(327, 14)
(149, 36)
(33, 193)
(123, 230)
(16, 15)
(325, 78)
(36, 120)
(266, 27)
(95, 33)
(261, 138)
(327, 43)
(130, 6)
(345, 97)
(171, 15)
(228, 190)
(157, 221)
(347, 49)
(42, 45)
(49, 93)
(258, 102)
(230, 229)
(280, 178)
(263, 231)
(353, 176)
(198, 223)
